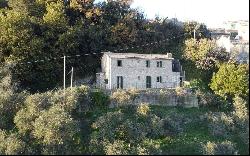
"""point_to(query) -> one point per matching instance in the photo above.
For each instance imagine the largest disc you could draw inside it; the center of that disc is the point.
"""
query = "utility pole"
(194, 33)
(64, 75)
(64, 71)
(71, 83)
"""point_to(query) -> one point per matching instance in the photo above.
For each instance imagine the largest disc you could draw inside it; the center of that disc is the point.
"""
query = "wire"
(116, 50)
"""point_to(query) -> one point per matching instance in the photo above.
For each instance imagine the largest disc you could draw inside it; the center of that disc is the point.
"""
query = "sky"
(210, 12)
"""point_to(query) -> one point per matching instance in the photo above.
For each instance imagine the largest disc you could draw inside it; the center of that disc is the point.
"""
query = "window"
(148, 81)
(147, 63)
(159, 79)
(106, 81)
(159, 63)
(120, 82)
(176, 67)
(119, 63)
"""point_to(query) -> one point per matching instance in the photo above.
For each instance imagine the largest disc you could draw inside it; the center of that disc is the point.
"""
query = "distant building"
(222, 39)
(141, 71)
(234, 36)
(241, 26)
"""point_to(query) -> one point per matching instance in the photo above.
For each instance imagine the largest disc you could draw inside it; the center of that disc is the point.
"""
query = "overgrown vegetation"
(51, 123)
(37, 120)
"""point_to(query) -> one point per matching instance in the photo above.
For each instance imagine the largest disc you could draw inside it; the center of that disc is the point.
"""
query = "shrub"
(212, 101)
(220, 124)
(196, 84)
(99, 99)
(123, 97)
(231, 80)
(11, 144)
(118, 147)
(34, 104)
(10, 104)
(56, 130)
(10, 100)
(241, 119)
(223, 148)
(129, 130)
(240, 110)
(150, 147)
(143, 109)
(180, 91)
(133, 93)
(75, 98)
(173, 124)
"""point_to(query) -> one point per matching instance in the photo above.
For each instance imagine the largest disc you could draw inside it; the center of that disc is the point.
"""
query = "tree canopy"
(231, 80)
(47, 29)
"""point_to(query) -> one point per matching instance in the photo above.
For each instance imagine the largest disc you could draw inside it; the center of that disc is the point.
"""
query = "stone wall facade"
(134, 72)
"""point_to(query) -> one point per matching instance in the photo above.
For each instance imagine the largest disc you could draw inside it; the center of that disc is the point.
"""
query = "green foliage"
(10, 100)
(201, 59)
(11, 144)
(196, 84)
(13, 42)
(212, 101)
(205, 53)
(123, 97)
(220, 124)
(44, 29)
(99, 99)
(47, 120)
(223, 148)
(55, 16)
(231, 80)
(76, 100)
(143, 109)
(241, 118)
(201, 30)
(56, 123)
(56, 130)
(241, 112)
(131, 131)
(34, 104)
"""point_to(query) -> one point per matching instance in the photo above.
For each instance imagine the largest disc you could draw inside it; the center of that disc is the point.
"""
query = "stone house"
(140, 71)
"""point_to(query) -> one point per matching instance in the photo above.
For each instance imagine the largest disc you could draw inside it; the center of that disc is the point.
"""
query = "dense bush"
(220, 124)
(47, 119)
(99, 99)
(240, 110)
(223, 148)
(10, 100)
(76, 100)
(56, 131)
(129, 130)
(210, 100)
(10, 103)
(196, 84)
(11, 144)
(123, 97)
(143, 109)
(231, 80)
(241, 119)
